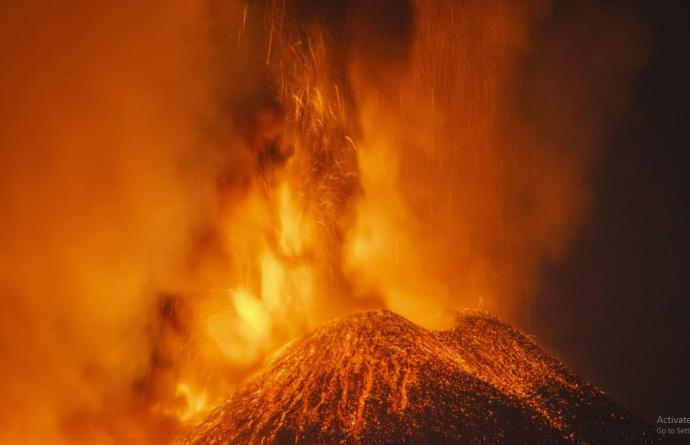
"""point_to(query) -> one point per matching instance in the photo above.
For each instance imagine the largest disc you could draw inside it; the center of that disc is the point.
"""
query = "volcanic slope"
(376, 378)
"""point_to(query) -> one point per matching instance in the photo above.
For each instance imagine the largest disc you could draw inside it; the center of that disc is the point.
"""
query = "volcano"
(377, 378)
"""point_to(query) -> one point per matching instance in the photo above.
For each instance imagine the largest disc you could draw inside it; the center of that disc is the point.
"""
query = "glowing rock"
(376, 378)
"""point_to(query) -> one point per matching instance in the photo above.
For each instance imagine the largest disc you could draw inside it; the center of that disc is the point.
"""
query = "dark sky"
(617, 308)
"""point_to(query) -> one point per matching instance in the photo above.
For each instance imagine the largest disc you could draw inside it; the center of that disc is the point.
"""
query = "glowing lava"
(376, 378)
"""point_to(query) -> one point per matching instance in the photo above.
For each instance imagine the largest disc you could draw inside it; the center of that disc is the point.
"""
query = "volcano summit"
(376, 378)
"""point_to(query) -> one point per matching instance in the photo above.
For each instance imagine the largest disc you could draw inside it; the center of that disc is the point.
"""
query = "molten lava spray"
(187, 185)
(475, 154)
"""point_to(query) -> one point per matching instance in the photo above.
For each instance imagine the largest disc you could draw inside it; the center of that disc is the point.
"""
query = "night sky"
(616, 308)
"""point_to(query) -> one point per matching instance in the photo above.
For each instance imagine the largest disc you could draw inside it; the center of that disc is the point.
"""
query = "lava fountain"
(187, 187)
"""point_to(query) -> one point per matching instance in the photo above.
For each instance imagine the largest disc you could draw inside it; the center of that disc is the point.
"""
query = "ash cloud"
(114, 136)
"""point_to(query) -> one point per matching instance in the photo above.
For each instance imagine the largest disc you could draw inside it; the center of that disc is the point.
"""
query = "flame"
(276, 279)
(293, 234)
(239, 332)
(196, 402)
(380, 251)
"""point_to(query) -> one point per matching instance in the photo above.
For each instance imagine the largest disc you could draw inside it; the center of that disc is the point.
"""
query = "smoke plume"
(477, 147)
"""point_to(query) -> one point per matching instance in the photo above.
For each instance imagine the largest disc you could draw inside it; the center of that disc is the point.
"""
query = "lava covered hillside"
(376, 378)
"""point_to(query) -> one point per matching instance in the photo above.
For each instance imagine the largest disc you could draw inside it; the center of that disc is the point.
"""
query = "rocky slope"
(376, 378)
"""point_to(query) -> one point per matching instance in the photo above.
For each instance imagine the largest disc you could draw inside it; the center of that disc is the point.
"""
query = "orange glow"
(188, 186)
(195, 403)
(239, 332)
